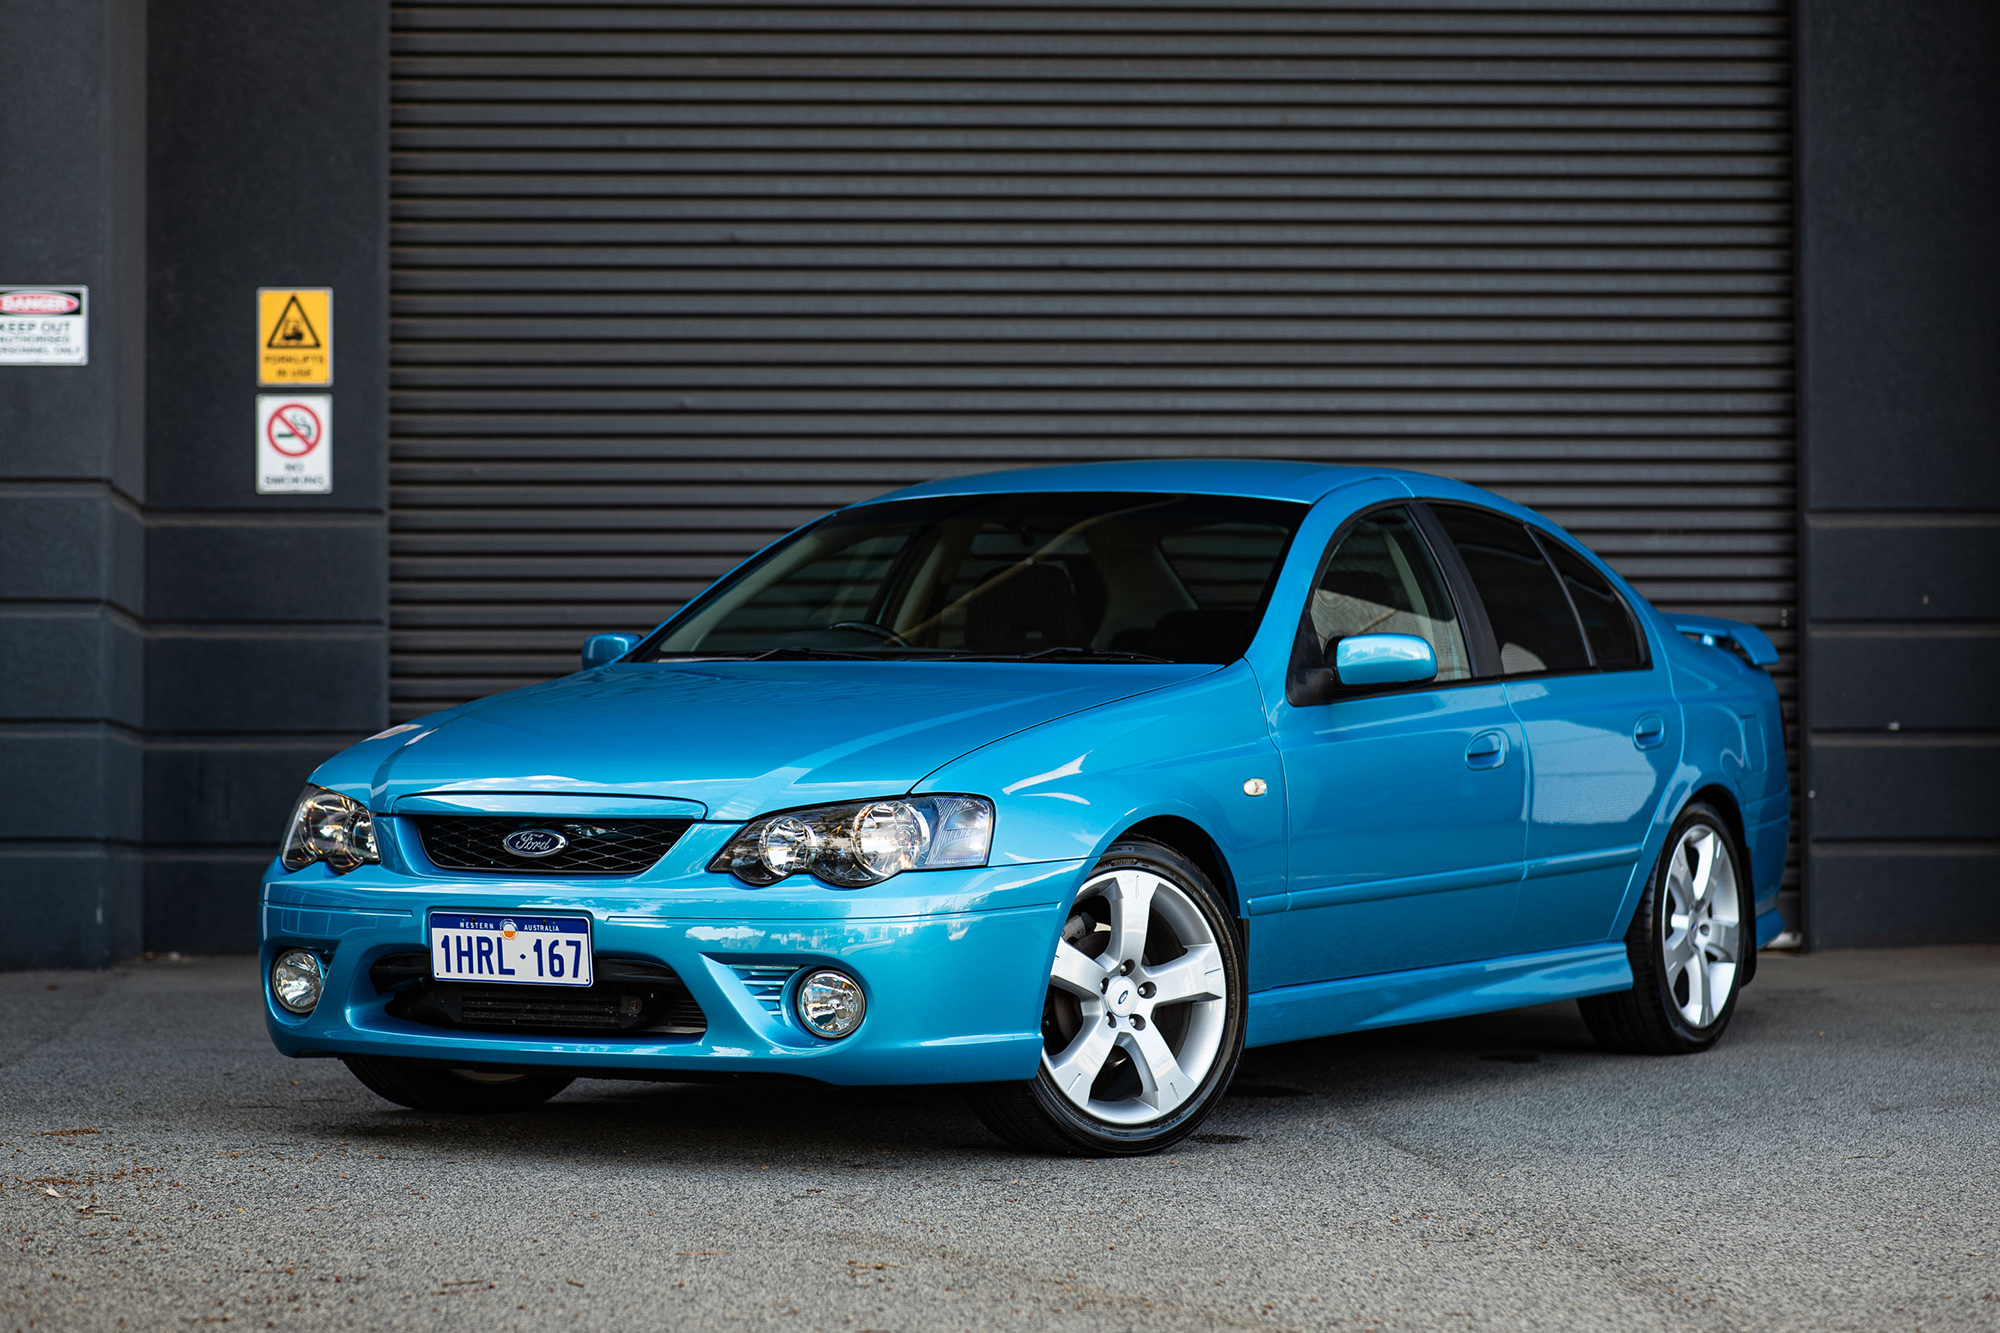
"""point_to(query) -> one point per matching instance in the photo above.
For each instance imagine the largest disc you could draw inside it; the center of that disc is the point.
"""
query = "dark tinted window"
(1530, 616)
(1048, 575)
(1224, 566)
(1381, 579)
(1614, 642)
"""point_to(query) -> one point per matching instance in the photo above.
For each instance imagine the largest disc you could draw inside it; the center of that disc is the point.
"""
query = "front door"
(1405, 806)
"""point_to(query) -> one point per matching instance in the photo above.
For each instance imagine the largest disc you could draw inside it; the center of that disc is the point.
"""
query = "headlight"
(328, 827)
(862, 843)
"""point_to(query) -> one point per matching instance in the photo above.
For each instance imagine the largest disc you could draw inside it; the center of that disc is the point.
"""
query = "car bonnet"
(743, 738)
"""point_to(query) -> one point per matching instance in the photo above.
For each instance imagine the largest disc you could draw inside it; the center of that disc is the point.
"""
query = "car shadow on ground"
(799, 1123)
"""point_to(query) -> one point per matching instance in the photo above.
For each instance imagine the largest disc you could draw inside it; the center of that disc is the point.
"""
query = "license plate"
(518, 949)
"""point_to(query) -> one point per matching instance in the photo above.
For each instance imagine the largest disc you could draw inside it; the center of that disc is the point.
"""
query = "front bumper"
(954, 963)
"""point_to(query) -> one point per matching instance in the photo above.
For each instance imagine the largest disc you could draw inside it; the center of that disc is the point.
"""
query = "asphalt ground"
(1833, 1164)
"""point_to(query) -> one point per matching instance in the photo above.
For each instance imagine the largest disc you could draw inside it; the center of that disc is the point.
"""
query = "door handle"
(1649, 731)
(1488, 750)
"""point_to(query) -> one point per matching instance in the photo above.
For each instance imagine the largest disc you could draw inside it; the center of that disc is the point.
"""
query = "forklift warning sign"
(295, 335)
(294, 444)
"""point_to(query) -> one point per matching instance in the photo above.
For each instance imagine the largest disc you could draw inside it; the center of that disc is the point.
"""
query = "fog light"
(830, 1003)
(296, 979)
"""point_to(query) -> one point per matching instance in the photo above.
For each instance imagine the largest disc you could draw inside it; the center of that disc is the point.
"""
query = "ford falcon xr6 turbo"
(1063, 785)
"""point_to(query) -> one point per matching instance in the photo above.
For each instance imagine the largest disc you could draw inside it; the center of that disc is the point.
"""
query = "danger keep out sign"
(44, 326)
(295, 444)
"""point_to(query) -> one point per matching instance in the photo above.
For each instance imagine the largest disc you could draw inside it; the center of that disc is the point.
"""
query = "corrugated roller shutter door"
(670, 279)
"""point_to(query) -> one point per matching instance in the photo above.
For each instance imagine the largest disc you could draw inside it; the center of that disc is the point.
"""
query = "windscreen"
(1042, 576)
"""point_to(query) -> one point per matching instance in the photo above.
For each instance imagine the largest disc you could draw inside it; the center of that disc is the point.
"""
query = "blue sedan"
(1066, 786)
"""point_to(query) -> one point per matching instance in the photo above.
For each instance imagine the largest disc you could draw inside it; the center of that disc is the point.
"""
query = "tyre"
(1142, 1024)
(1687, 946)
(426, 1085)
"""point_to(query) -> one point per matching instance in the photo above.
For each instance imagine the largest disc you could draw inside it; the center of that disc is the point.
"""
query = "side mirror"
(1384, 659)
(601, 648)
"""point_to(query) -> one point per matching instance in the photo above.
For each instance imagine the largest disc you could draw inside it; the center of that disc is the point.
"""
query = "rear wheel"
(426, 1085)
(1142, 1023)
(1687, 946)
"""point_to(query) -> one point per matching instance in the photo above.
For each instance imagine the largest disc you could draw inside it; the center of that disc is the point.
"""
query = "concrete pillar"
(72, 488)
(1899, 412)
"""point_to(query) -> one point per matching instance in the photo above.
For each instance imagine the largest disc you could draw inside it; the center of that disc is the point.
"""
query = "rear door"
(1603, 733)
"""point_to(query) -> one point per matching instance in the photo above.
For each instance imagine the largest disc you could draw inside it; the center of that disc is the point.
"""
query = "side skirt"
(1322, 1008)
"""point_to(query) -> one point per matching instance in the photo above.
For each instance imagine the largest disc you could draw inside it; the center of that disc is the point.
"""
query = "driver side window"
(1382, 579)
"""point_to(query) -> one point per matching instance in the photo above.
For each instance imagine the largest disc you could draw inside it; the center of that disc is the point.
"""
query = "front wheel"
(1687, 946)
(1143, 1020)
(426, 1085)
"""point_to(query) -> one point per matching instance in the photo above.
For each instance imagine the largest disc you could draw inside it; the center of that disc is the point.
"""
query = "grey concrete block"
(70, 663)
(70, 782)
(218, 793)
(291, 567)
(1899, 185)
(70, 542)
(1919, 678)
(203, 904)
(267, 683)
(1876, 897)
(84, 901)
(1903, 788)
(1894, 568)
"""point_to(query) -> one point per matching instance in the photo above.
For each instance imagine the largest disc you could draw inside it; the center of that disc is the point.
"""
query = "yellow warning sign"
(295, 335)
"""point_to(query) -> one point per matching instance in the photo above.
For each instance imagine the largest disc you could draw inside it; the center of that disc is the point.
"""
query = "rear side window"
(1614, 642)
(1531, 617)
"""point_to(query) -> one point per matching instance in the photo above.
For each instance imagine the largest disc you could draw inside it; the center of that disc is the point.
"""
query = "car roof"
(1265, 479)
(1257, 478)
(1252, 478)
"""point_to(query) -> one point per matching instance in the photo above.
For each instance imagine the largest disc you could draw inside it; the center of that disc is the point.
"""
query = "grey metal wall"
(668, 279)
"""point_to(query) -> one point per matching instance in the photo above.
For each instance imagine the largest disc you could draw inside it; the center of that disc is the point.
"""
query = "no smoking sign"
(294, 444)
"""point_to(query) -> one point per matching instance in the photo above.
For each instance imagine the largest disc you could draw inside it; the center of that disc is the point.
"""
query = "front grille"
(591, 846)
(630, 998)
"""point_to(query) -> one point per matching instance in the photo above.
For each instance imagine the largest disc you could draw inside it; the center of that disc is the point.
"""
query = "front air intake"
(631, 998)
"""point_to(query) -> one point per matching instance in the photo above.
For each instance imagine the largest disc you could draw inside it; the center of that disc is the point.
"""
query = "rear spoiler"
(1747, 641)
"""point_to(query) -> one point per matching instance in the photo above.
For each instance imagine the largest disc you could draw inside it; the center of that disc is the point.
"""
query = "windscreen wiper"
(798, 652)
(787, 653)
(1080, 654)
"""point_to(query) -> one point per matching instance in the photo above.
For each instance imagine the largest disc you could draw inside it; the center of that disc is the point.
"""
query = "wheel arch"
(1725, 802)
(1192, 841)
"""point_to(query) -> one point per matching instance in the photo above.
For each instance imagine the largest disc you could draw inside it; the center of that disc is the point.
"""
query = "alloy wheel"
(1701, 925)
(1137, 1003)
